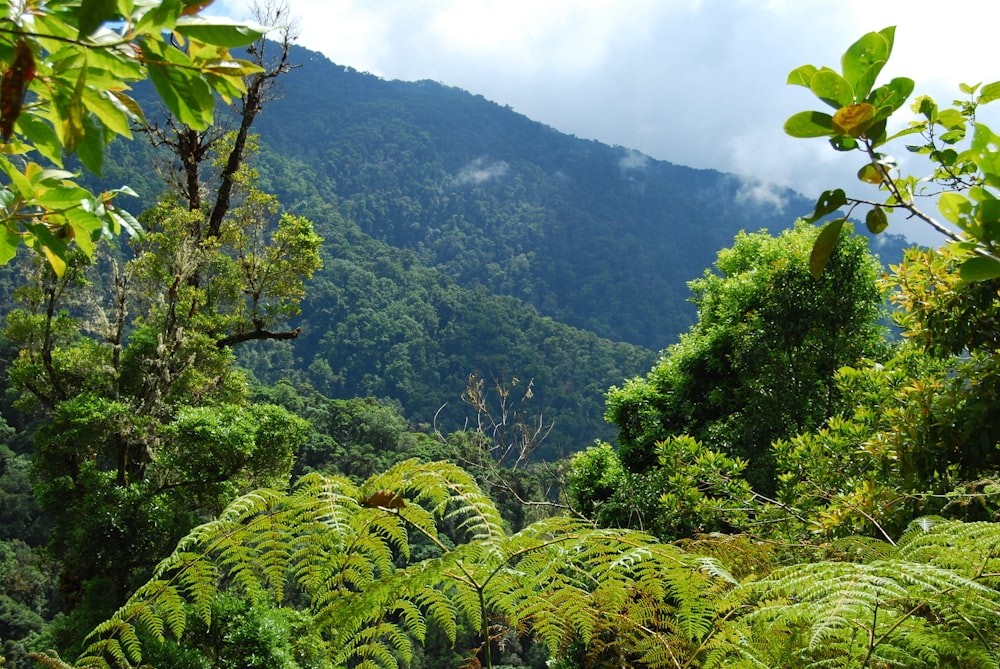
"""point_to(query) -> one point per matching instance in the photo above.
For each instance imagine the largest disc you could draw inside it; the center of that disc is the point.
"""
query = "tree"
(149, 424)
(759, 364)
(861, 123)
(66, 67)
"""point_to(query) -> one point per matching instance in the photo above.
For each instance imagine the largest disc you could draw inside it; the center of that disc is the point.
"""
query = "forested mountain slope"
(463, 237)
(378, 323)
(600, 237)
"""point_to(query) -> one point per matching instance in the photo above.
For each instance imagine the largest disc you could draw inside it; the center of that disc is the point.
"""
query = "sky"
(693, 82)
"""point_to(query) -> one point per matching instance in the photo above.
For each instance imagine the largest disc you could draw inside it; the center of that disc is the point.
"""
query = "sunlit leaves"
(861, 122)
(989, 93)
(832, 88)
(954, 207)
(863, 61)
(64, 88)
(218, 31)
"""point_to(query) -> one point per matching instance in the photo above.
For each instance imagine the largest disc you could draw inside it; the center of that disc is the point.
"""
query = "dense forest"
(461, 237)
(381, 374)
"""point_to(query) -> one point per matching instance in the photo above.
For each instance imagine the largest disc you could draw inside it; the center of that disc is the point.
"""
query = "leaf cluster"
(964, 177)
(66, 70)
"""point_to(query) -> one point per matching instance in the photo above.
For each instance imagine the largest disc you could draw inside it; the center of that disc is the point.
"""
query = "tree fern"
(929, 601)
(592, 595)
(339, 545)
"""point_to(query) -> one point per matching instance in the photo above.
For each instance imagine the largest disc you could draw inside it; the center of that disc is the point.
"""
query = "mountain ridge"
(465, 211)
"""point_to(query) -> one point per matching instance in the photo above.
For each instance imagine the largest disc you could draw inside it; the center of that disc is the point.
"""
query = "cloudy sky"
(693, 82)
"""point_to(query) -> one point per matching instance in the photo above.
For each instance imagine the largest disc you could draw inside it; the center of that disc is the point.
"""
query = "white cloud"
(761, 193)
(694, 82)
(480, 170)
(633, 160)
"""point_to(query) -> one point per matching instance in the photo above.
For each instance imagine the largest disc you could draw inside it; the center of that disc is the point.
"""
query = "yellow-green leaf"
(8, 244)
(832, 88)
(801, 76)
(989, 93)
(876, 220)
(954, 207)
(871, 174)
(218, 31)
(853, 120)
(863, 61)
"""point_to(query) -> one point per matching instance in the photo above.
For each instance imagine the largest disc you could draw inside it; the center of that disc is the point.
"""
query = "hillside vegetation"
(295, 421)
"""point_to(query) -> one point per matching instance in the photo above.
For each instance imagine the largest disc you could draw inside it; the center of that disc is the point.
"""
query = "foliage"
(861, 122)
(928, 601)
(338, 544)
(380, 324)
(693, 490)
(759, 365)
(66, 67)
(149, 425)
(600, 238)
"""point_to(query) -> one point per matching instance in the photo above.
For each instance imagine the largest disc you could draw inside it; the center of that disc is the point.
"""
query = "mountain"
(463, 237)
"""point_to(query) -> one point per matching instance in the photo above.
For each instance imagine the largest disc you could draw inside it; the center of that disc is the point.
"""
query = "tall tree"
(149, 424)
(759, 364)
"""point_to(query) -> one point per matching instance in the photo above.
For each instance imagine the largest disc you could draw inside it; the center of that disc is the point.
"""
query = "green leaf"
(91, 149)
(889, 33)
(801, 76)
(42, 136)
(809, 124)
(863, 61)
(832, 88)
(218, 31)
(232, 67)
(989, 93)
(185, 93)
(129, 104)
(8, 244)
(954, 207)
(54, 248)
(829, 202)
(979, 268)
(115, 64)
(109, 111)
(824, 246)
(951, 119)
(72, 124)
(123, 220)
(842, 143)
(18, 180)
(93, 13)
(876, 220)
(985, 152)
(912, 130)
(63, 197)
(892, 96)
